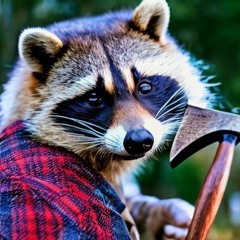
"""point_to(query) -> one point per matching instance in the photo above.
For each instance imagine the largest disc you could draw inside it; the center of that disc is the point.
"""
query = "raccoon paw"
(170, 218)
(177, 216)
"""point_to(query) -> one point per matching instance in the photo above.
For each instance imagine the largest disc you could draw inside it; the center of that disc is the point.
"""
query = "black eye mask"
(160, 93)
(92, 111)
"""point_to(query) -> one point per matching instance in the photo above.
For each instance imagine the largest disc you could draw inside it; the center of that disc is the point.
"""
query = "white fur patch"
(85, 84)
(78, 88)
(114, 139)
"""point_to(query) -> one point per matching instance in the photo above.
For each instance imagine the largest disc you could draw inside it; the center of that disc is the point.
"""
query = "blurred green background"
(210, 30)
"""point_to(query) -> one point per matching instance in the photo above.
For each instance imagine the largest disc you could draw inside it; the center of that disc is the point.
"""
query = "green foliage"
(210, 31)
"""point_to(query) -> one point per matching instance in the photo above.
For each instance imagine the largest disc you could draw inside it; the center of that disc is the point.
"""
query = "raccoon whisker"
(81, 139)
(175, 117)
(171, 133)
(90, 125)
(80, 130)
(178, 92)
(170, 121)
(168, 139)
(89, 142)
(111, 142)
(81, 121)
(75, 129)
(83, 142)
(90, 132)
(172, 124)
(154, 156)
(86, 124)
(212, 84)
(85, 139)
(173, 120)
(176, 104)
(90, 147)
(168, 102)
(179, 99)
(160, 148)
(206, 79)
(97, 141)
(170, 128)
(100, 136)
(101, 152)
(180, 106)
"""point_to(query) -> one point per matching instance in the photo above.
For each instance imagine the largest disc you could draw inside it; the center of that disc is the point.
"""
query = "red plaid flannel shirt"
(49, 193)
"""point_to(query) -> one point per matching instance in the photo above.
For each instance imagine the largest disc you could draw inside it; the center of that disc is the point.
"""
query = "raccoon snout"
(138, 141)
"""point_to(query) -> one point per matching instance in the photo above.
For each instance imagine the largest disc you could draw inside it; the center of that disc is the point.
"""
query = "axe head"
(199, 128)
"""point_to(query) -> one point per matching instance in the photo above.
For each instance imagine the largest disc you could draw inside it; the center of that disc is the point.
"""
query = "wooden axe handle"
(212, 190)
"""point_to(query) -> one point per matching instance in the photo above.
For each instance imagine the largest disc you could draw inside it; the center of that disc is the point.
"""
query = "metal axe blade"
(199, 128)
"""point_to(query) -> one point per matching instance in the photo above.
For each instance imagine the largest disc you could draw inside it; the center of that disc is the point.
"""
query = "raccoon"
(112, 89)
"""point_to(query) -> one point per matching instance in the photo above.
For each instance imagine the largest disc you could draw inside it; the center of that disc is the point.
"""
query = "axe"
(199, 128)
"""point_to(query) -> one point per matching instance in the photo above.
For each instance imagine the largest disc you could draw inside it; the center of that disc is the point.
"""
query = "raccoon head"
(111, 89)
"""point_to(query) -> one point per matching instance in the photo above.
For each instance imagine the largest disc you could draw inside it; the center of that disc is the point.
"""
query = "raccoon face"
(108, 93)
(123, 123)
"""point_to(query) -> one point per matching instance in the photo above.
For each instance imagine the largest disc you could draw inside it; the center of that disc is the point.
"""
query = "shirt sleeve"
(25, 215)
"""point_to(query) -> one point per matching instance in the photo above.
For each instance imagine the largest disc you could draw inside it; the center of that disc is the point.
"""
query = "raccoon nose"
(138, 141)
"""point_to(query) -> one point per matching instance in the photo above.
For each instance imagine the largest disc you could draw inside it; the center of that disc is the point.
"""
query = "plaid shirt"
(49, 193)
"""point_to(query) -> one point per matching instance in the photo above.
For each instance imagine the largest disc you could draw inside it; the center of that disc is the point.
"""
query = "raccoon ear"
(152, 18)
(38, 47)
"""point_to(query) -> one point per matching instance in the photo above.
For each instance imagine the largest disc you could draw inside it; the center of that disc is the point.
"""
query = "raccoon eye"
(94, 99)
(144, 88)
